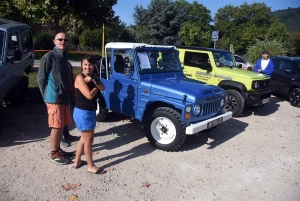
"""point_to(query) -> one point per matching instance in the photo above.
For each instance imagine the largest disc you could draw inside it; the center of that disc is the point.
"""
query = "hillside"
(290, 17)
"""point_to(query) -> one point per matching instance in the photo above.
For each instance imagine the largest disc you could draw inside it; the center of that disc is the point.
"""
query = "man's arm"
(43, 73)
(257, 66)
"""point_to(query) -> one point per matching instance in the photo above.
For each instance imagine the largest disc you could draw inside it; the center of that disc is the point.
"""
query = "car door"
(122, 94)
(197, 65)
(283, 76)
(274, 82)
(9, 69)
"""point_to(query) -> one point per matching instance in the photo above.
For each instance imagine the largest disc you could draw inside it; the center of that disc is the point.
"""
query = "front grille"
(211, 107)
(260, 84)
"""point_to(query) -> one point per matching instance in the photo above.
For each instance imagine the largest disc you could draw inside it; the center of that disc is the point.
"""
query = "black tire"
(164, 129)
(236, 103)
(18, 95)
(294, 97)
(101, 112)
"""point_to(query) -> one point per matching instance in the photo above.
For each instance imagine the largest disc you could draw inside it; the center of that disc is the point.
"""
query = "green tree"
(93, 12)
(274, 47)
(90, 40)
(243, 25)
(197, 30)
(140, 18)
(160, 23)
(294, 42)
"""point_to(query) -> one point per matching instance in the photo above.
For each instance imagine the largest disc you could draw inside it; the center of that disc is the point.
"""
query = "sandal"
(78, 166)
(98, 171)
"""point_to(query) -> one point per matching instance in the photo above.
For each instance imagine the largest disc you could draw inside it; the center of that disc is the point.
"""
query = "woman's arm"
(81, 84)
(98, 82)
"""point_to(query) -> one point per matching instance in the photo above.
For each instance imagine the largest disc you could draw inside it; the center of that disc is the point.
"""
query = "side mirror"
(18, 55)
(240, 66)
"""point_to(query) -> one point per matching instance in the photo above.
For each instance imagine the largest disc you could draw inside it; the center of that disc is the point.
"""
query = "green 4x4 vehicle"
(218, 67)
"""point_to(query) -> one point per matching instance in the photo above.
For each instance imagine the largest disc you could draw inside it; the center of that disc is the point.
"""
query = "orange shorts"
(59, 115)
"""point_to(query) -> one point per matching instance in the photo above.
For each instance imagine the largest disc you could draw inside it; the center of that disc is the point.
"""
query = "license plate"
(215, 122)
(265, 100)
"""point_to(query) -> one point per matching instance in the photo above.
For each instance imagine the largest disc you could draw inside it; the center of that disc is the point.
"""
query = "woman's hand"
(88, 79)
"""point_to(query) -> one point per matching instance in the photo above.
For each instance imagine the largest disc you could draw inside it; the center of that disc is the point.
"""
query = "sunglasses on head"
(61, 39)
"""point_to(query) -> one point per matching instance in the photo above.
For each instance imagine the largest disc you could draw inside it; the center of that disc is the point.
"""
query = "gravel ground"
(253, 157)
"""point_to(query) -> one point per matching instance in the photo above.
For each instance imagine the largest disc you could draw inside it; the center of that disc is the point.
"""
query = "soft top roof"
(125, 45)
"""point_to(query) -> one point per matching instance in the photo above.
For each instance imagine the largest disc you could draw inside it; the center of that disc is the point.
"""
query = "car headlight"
(197, 110)
(222, 102)
(255, 85)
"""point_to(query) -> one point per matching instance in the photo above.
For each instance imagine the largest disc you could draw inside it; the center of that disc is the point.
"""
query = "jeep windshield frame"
(224, 59)
(2, 45)
(157, 60)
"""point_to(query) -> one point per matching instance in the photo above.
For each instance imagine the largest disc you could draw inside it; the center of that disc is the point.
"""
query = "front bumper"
(195, 128)
(255, 98)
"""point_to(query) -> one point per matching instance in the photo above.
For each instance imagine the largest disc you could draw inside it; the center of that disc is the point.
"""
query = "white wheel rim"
(163, 130)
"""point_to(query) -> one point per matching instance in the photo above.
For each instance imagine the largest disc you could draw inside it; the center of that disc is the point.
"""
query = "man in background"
(264, 65)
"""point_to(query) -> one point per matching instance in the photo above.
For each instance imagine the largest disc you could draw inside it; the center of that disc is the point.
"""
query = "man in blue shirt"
(264, 65)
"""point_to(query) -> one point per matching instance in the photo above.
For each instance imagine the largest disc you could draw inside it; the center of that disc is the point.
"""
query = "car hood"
(234, 73)
(179, 88)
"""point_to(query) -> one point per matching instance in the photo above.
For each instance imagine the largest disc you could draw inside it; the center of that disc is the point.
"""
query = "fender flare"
(232, 84)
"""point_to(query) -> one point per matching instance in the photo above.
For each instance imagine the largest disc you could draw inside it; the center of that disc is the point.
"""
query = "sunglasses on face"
(61, 39)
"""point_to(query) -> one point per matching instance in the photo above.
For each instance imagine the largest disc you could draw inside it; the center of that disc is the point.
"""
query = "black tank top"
(82, 102)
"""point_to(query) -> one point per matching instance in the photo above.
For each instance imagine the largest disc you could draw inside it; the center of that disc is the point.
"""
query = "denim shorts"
(84, 119)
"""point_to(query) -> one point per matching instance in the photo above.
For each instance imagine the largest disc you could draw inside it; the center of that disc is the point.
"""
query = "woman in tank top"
(87, 86)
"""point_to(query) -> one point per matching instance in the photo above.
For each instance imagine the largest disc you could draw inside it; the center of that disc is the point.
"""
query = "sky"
(124, 8)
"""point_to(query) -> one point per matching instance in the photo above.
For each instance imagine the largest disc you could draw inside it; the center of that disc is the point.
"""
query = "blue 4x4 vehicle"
(153, 89)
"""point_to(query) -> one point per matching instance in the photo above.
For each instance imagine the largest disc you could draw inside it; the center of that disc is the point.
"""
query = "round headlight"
(222, 102)
(256, 85)
(188, 109)
(197, 110)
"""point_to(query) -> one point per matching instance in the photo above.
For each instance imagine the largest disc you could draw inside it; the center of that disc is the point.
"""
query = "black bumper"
(255, 98)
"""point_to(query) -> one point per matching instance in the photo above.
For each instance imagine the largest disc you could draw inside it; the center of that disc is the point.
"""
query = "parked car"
(16, 59)
(245, 65)
(155, 91)
(218, 67)
(285, 78)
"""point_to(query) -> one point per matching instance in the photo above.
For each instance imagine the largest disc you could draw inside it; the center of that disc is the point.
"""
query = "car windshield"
(224, 59)
(154, 61)
(2, 37)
